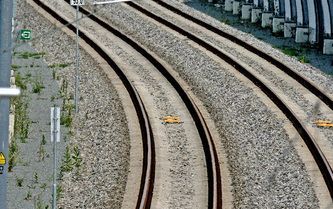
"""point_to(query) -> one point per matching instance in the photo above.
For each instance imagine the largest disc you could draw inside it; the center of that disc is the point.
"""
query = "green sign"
(25, 34)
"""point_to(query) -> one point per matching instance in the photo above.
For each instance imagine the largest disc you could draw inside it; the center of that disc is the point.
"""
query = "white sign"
(55, 123)
(77, 2)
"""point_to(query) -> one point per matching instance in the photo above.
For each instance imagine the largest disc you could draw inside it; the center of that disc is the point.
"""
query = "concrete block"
(302, 35)
(328, 46)
(235, 7)
(266, 19)
(228, 5)
(255, 15)
(246, 11)
(278, 24)
(289, 29)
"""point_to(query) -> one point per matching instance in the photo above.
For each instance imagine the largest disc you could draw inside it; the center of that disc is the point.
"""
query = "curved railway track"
(309, 140)
(147, 179)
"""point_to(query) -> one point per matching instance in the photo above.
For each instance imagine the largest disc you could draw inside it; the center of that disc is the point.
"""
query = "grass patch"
(19, 182)
(15, 66)
(27, 55)
(20, 82)
(22, 123)
(37, 86)
(59, 65)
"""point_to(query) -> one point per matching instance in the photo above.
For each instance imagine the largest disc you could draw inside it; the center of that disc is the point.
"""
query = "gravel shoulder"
(99, 131)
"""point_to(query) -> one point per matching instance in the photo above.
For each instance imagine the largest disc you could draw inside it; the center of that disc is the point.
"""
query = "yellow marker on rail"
(324, 123)
(171, 119)
(2, 159)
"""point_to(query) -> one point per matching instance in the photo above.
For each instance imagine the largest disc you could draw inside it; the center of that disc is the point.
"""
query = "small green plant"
(303, 59)
(37, 86)
(27, 55)
(35, 178)
(59, 65)
(67, 163)
(13, 152)
(28, 196)
(43, 186)
(59, 191)
(41, 149)
(66, 119)
(15, 66)
(19, 182)
(53, 74)
(19, 81)
(76, 157)
(39, 204)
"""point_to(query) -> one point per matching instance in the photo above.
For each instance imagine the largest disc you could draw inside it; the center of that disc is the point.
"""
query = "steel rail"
(148, 171)
(315, 150)
(212, 162)
(307, 84)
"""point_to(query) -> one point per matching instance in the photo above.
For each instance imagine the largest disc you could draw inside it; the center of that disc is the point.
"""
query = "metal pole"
(77, 77)
(6, 14)
(54, 132)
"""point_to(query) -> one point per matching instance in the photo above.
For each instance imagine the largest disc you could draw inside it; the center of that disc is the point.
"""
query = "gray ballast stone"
(266, 170)
(99, 130)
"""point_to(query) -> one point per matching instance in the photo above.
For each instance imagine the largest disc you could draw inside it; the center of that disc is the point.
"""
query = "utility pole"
(6, 15)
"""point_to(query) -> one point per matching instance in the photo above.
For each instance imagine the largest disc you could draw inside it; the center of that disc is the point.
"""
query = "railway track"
(323, 164)
(309, 140)
(147, 179)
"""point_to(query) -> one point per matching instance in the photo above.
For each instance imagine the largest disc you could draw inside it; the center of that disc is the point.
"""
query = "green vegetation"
(19, 182)
(20, 82)
(59, 65)
(22, 123)
(35, 178)
(27, 55)
(28, 196)
(14, 67)
(37, 86)
(59, 191)
(13, 154)
(72, 159)
(299, 53)
(41, 150)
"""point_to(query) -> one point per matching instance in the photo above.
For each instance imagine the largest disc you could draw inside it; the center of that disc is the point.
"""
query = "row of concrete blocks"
(278, 24)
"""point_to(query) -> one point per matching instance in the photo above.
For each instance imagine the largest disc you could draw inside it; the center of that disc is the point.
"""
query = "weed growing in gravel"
(13, 152)
(27, 55)
(22, 123)
(59, 65)
(28, 196)
(19, 181)
(39, 204)
(41, 150)
(43, 186)
(35, 178)
(72, 158)
(76, 157)
(59, 191)
(20, 82)
(303, 59)
(15, 66)
(67, 162)
(37, 86)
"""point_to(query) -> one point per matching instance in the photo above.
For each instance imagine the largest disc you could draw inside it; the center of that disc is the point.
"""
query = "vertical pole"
(54, 132)
(77, 77)
(6, 14)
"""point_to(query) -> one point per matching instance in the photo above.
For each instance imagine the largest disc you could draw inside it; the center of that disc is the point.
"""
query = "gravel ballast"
(99, 130)
(254, 139)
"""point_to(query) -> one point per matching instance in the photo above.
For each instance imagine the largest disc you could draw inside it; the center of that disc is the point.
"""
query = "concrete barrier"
(246, 11)
(278, 24)
(302, 35)
(328, 46)
(235, 7)
(289, 29)
(228, 5)
(255, 15)
(266, 19)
